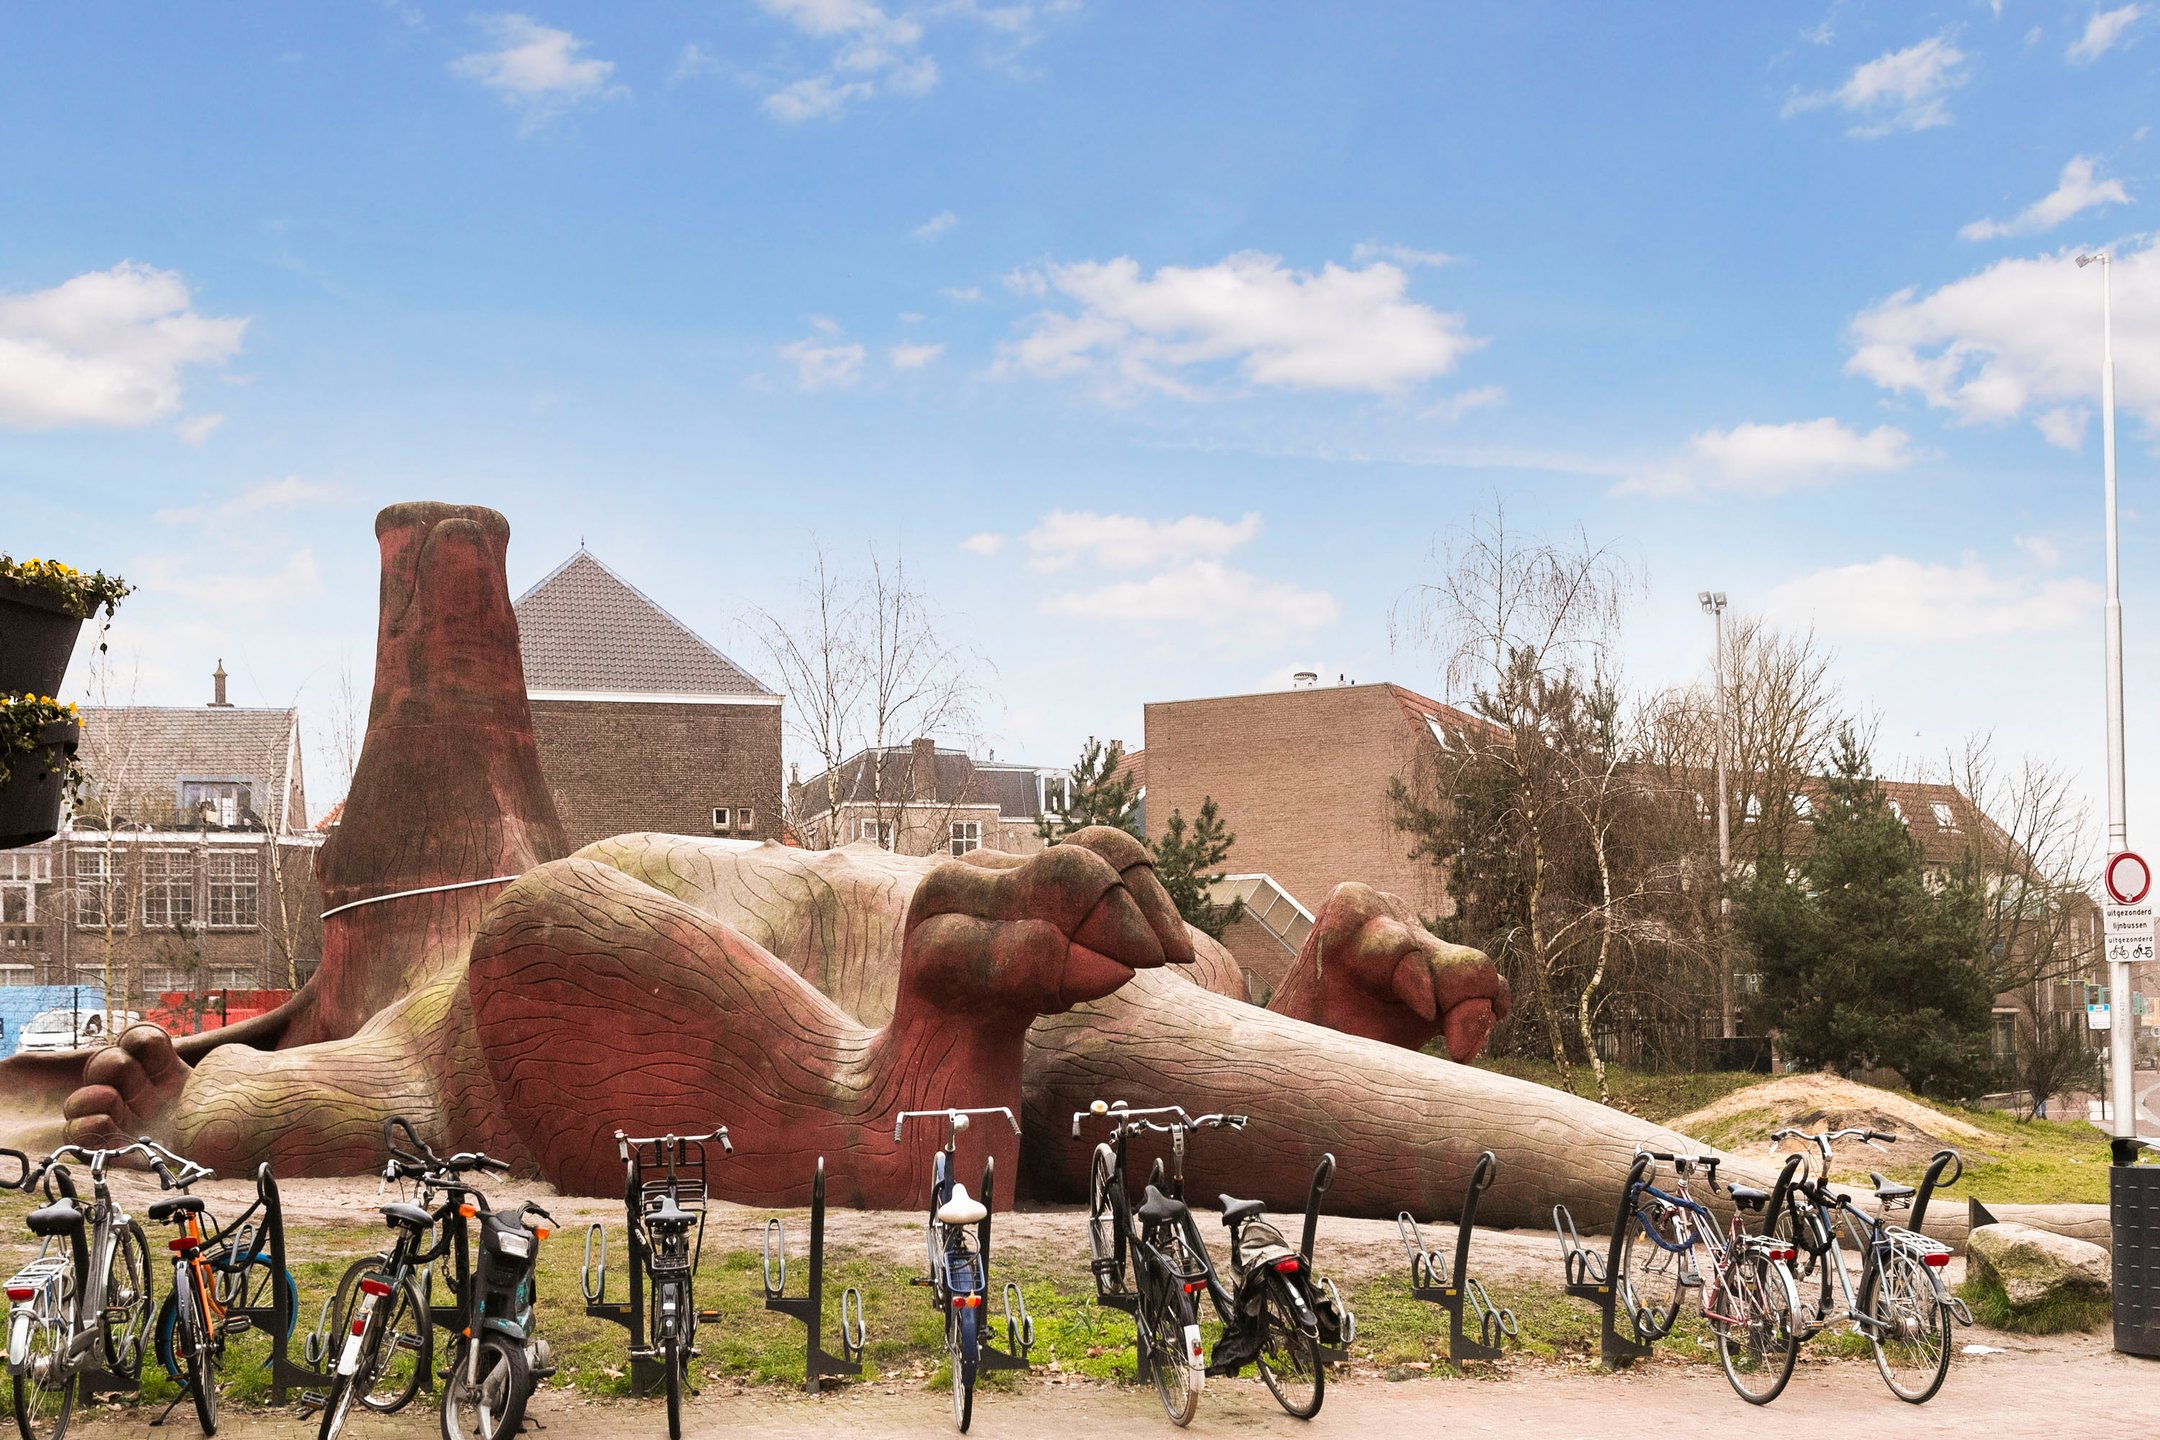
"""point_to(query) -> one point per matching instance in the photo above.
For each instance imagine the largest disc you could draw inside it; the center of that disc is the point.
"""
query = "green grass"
(1655, 1096)
(2059, 1314)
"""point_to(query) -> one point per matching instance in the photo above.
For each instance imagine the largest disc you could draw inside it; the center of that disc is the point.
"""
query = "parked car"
(54, 1030)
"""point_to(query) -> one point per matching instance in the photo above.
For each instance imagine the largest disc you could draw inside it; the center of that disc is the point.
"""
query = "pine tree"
(1095, 794)
(1184, 858)
(1864, 962)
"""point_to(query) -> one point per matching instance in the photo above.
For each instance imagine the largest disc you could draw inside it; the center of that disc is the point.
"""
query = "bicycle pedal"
(238, 1324)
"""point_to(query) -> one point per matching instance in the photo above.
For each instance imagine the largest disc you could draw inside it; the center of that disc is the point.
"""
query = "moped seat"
(1157, 1206)
(397, 1213)
(961, 1209)
(58, 1218)
(1234, 1210)
(178, 1205)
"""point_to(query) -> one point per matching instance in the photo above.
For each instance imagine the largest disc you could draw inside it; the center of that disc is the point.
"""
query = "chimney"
(217, 683)
(922, 769)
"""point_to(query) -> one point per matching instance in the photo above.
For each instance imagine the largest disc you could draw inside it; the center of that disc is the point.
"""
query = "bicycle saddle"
(178, 1205)
(1886, 1192)
(1748, 1198)
(670, 1216)
(962, 1209)
(58, 1218)
(1157, 1206)
(398, 1213)
(1234, 1210)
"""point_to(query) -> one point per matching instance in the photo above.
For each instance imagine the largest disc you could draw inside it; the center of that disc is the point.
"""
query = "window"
(876, 831)
(745, 818)
(720, 817)
(1754, 807)
(18, 975)
(1053, 793)
(223, 803)
(1702, 807)
(168, 889)
(1897, 810)
(15, 905)
(100, 888)
(966, 836)
(233, 879)
(1432, 723)
(1943, 818)
(1804, 808)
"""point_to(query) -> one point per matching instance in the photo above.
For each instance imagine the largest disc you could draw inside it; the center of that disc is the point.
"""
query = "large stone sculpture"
(1370, 967)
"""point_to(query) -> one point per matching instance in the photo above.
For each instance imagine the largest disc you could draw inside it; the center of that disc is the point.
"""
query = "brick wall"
(618, 766)
(1301, 777)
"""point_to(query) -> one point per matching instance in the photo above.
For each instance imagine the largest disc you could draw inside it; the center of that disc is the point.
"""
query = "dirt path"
(2033, 1388)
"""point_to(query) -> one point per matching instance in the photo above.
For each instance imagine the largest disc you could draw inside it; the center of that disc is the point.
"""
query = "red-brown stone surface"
(1370, 967)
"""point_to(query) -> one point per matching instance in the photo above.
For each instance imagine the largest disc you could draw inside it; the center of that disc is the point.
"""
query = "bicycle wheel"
(125, 1323)
(1758, 1332)
(1167, 1354)
(672, 1357)
(1911, 1329)
(963, 1349)
(337, 1405)
(1105, 1235)
(1811, 1268)
(1651, 1264)
(194, 1347)
(491, 1406)
(44, 1387)
(1289, 1357)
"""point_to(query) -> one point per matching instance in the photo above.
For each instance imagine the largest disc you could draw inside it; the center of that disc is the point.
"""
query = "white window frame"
(1945, 817)
(175, 895)
(17, 974)
(1897, 810)
(966, 836)
(100, 893)
(238, 893)
(879, 832)
(722, 817)
(1803, 807)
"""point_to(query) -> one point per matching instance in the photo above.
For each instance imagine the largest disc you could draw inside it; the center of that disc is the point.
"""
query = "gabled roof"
(1442, 719)
(961, 780)
(583, 628)
(138, 754)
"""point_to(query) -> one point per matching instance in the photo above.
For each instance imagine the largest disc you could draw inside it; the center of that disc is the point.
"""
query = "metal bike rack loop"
(810, 1308)
(1019, 1325)
(1587, 1279)
(1323, 1179)
(1454, 1288)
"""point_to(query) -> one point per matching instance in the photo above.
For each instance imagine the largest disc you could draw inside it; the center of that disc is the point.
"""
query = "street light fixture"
(1713, 604)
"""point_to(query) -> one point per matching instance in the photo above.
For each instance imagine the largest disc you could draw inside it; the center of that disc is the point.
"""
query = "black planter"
(37, 781)
(37, 635)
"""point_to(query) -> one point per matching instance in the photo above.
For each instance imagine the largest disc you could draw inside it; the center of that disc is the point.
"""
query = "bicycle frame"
(90, 1256)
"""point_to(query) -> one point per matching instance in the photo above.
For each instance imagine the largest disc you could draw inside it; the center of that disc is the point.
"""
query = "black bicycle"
(664, 1196)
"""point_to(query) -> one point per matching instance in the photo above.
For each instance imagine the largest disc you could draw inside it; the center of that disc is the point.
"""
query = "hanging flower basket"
(43, 604)
(38, 736)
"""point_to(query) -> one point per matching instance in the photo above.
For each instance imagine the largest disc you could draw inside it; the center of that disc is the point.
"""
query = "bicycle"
(959, 1277)
(215, 1280)
(1901, 1305)
(664, 1192)
(85, 1297)
(1747, 1297)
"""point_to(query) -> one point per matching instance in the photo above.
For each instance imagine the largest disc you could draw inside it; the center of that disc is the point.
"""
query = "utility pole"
(1713, 604)
(2122, 1051)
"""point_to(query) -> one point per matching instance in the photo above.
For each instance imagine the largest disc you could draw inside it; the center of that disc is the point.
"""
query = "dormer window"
(1754, 807)
(1944, 820)
(1432, 723)
(1702, 807)
(1052, 794)
(1897, 810)
(220, 803)
(1804, 808)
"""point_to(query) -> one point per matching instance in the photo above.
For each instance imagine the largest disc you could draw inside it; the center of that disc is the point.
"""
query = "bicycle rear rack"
(1453, 1288)
(810, 1308)
(1599, 1283)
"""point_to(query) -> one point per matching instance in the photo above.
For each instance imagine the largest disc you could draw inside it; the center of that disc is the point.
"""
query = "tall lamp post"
(2122, 1056)
(1713, 604)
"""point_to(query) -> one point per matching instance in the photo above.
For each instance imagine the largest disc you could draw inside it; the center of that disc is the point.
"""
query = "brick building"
(641, 724)
(189, 866)
(922, 800)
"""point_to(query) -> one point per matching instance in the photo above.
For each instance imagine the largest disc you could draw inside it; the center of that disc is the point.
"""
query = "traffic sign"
(2129, 878)
(2127, 931)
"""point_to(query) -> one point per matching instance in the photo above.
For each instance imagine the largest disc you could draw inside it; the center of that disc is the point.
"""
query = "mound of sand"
(1744, 1119)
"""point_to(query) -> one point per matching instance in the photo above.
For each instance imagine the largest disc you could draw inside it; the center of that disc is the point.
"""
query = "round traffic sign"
(2129, 878)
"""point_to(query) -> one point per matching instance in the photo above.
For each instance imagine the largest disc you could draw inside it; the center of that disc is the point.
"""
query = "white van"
(50, 1031)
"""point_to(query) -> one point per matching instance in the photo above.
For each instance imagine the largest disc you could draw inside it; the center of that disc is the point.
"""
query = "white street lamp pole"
(1713, 604)
(2121, 1037)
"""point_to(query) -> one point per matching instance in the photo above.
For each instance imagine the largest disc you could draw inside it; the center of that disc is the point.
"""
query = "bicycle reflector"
(468, 1210)
(967, 1302)
(183, 1244)
(1194, 1287)
(20, 1293)
(374, 1287)
(1285, 1265)
(1936, 1258)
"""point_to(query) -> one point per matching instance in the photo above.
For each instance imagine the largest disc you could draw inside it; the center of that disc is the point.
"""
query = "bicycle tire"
(1649, 1278)
(1766, 1341)
(123, 1342)
(963, 1344)
(498, 1397)
(49, 1420)
(1811, 1269)
(197, 1354)
(408, 1313)
(671, 1355)
(1899, 1295)
(1106, 1238)
(337, 1405)
(1296, 1355)
(1164, 1335)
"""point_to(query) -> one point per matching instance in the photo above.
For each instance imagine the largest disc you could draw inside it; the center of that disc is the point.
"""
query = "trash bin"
(2134, 1207)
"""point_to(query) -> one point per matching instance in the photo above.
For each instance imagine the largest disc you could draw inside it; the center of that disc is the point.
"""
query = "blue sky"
(1163, 340)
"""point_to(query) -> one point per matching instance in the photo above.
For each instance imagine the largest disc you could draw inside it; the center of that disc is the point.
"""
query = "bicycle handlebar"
(624, 1142)
(1684, 1163)
(174, 1171)
(956, 1118)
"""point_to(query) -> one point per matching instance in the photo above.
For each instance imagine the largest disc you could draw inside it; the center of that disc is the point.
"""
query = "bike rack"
(810, 1308)
(1454, 1288)
(282, 1313)
(1019, 1325)
(1942, 1161)
(1599, 1283)
(1323, 1179)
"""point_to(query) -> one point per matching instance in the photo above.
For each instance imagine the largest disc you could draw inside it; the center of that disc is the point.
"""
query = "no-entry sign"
(2129, 878)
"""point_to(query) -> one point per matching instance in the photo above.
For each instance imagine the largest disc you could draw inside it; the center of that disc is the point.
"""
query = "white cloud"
(1227, 605)
(964, 294)
(824, 367)
(1904, 90)
(2101, 33)
(1757, 459)
(105, 348)
(936, 225)
(1401, 254)
(2022, 335)
(1450, 408)
(695, 60)
(1338, 329)
(2064, 426)
(288, 493)
(987, 543)
(913, 357)
(1127, 542)
(261, 592)
(872, 54)
(536, 69)
(2074, 193)
(1898, 601)
(2045, 553)
(198, 428)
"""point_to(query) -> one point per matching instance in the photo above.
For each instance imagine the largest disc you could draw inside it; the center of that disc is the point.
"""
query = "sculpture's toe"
(1136, 868)
(127, 1088)
(1473, 997)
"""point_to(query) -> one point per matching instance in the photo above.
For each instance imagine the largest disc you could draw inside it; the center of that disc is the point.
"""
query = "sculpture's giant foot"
(1370, 967)
(128, 1089)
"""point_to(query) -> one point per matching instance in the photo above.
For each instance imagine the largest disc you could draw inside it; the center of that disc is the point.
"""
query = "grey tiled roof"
(584, 627)
(137, 754)
(961, 780)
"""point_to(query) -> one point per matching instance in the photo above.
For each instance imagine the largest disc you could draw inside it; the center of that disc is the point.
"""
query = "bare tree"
(2031, 848)
(819, 664)
(917, 684)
